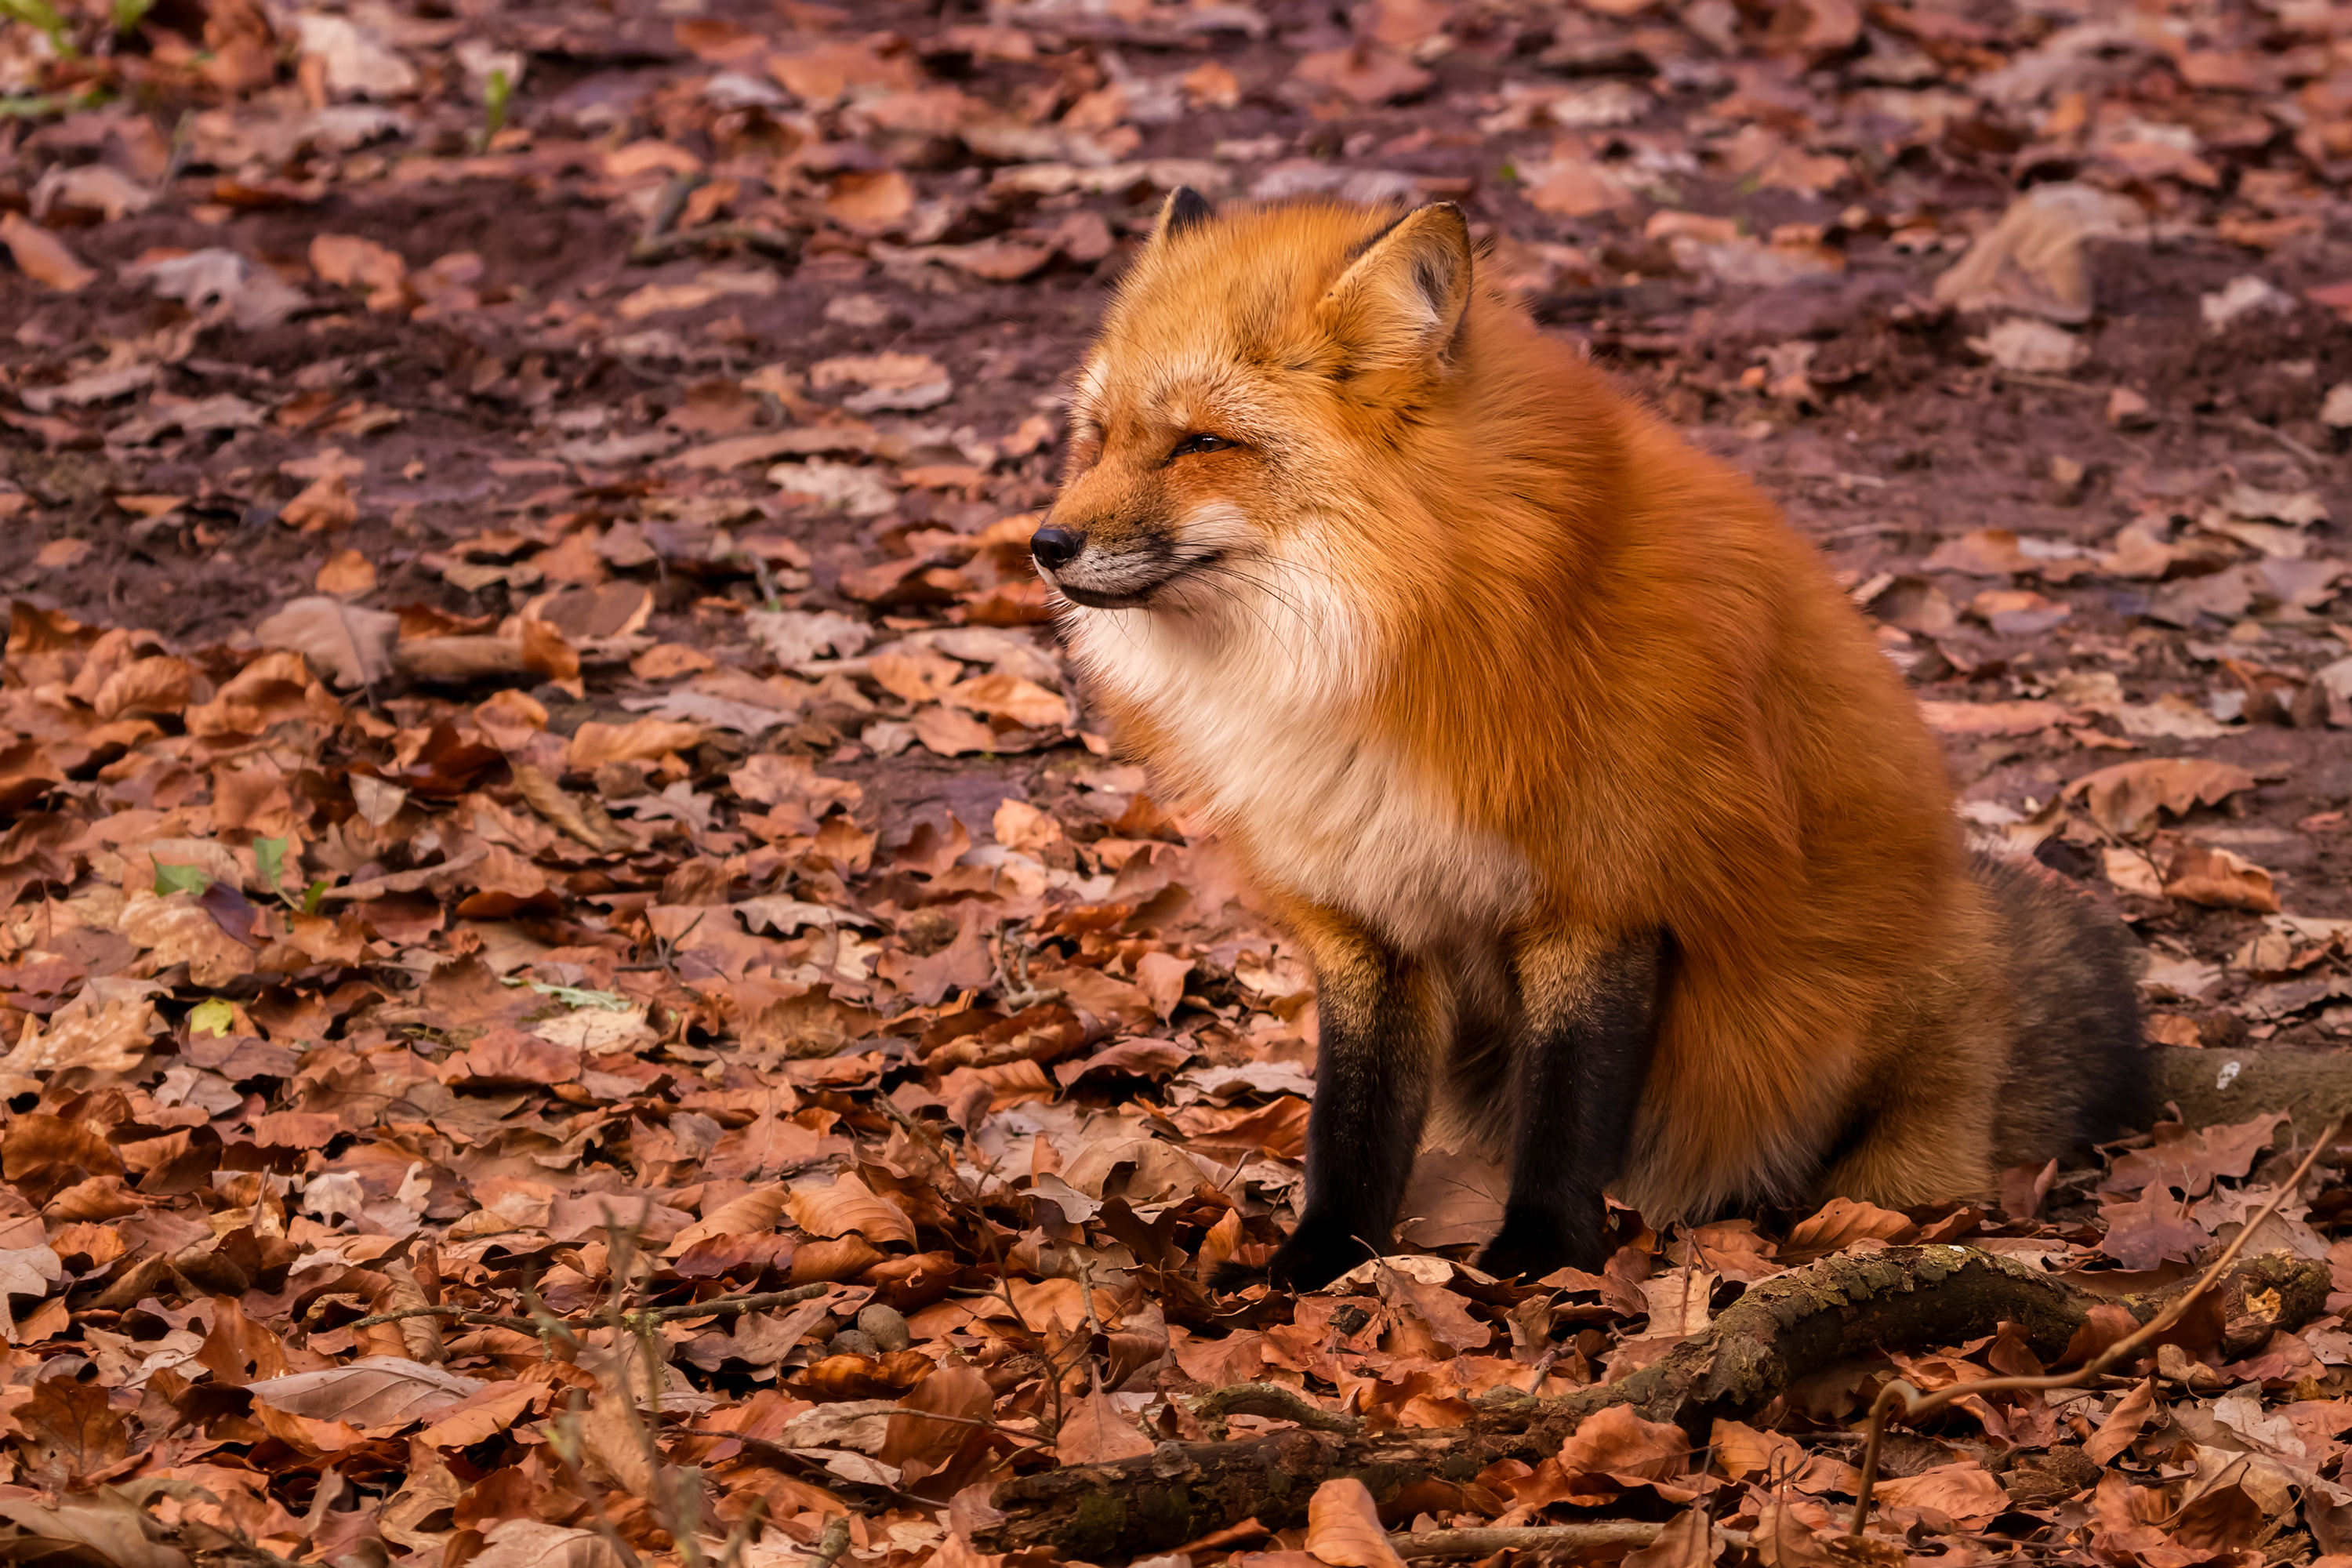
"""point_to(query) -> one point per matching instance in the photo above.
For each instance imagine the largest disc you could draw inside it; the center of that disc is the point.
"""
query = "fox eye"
(1191, 444)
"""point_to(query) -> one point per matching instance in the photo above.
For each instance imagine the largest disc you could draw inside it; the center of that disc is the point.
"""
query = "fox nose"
(1055, 545)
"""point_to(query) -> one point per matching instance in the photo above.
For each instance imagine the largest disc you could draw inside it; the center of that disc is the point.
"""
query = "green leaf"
(169, 880)
(214, 1016)
(270, 854)
(494, 94)
(129, 13)
(312, 895)
(37, 14)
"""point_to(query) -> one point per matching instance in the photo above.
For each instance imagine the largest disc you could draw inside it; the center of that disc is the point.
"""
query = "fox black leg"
(1590, 1020)
(1378, 1012)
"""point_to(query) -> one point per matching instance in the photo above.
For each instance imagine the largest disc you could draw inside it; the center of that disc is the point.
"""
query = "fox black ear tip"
(1186, 208)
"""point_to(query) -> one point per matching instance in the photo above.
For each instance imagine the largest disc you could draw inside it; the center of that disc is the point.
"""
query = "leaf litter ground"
(541, 798)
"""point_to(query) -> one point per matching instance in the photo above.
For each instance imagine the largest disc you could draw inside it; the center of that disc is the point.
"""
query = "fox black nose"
(1053, 546)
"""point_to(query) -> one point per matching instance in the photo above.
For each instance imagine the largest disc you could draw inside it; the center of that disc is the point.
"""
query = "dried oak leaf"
(109, 1526)
(1096, 1433)
(351, 644)
(374, 1391)
(2122, 1425)
(752, 1213)
(528, 1543)
(1344, 1530)
(2150, 1229)
(2203, 874)
(849, 1206)
(2125, 798)
(42, 256)
(1368, 73)
(1617, 1443)
(112, 1039)
(1688, 1541)
(1840, 1223)
(1966, 1490)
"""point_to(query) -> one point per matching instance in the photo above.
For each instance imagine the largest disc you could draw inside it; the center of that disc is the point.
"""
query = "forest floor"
(541, 780)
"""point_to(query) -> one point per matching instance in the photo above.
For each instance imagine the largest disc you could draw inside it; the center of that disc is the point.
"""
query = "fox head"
(1257, 382)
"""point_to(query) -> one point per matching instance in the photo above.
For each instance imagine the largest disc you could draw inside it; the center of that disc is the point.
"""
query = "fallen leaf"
(2126, 799)
(848, 1207)
(1344, 1530)
(350, 644)
(42, 256)
(373, 1391)
(1096, 1433)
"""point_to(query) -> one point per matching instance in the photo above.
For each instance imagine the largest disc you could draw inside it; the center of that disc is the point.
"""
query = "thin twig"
(776, 245)
(2254, 427)
(1539, 1539)
(833, 1543)
(463, 1314)
(718, 1307)
(1916, 1405)
(669, 203)
(571, 1448)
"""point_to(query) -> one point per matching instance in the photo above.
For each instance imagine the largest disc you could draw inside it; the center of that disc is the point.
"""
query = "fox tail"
(2077, 1071)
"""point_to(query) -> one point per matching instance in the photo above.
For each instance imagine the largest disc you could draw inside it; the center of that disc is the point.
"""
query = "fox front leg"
(1379, 1016)
(1591, 1007)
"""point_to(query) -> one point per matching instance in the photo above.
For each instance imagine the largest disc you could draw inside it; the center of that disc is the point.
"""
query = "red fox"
(1608, 831)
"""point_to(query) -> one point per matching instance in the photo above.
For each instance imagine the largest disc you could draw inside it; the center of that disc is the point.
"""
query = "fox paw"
(1528, 1252)
(1308, 1261)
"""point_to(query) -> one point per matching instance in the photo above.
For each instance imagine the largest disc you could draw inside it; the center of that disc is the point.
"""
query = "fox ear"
(1402, 301)
(1184, 208)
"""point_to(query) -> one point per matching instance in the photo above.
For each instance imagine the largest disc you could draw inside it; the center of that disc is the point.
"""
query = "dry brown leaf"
(528, 1543)
(2122, 1425)
(109, 1526)
(2033, 259)
(422, 1333)
(869, 201)
(350, 644)
(1840, 1223)
(1966, 1490)
(849, 1206)
(1618, 1443)
(1095, 1433)
(2125, 798)
(1688, 1541)
(112, 1039)
(754, 1213)
(2203, 874)
(324, 504)
(373, 1391)
(42, 256)
(346, 574)
(361, 263)
(582, 817)
(2019, 716)
(1343, 1526)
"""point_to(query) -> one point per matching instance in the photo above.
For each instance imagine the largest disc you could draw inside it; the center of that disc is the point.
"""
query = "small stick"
(776, 245)
(832, 1544)
(2254, 427)
(1916, 1405)
(1538, 1539)
(718, 1306)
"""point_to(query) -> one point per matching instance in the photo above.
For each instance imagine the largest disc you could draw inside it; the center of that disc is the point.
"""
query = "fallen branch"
(776, 245)
(1539, 1540)
(1780, 1331)
(2213, 1088)
(718, 1307)
(1916, 1405)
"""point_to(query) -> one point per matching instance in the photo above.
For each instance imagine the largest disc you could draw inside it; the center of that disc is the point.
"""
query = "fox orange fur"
(1608, 829)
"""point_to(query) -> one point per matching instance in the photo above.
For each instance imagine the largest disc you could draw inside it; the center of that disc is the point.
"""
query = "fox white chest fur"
(1259, 696)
